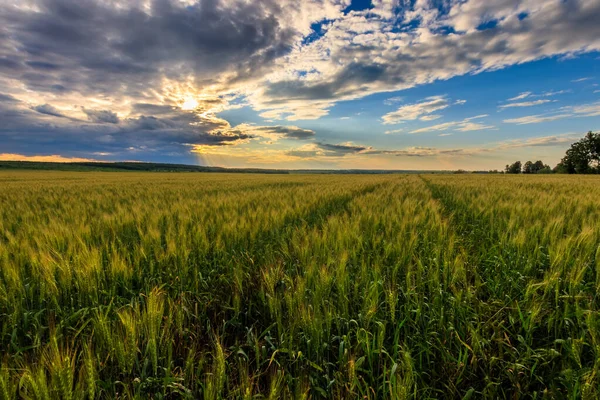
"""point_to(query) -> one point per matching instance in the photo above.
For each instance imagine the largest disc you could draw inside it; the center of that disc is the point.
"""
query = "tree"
(537, 167)
(514, 168)
(583, 157)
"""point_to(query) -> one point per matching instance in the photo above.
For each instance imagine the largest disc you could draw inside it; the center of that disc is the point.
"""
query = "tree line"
(583, 157)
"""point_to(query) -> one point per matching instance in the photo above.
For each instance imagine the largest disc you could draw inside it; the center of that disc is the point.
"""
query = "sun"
(189, 104)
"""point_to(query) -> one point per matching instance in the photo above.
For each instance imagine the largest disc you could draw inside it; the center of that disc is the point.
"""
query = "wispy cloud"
(393, 100)
(391, 132)
(464, 125)
(580, 111)
(525, 104)
(421, 110)
(535, 119)
(521, 96)
(587, 78)
(524, 95)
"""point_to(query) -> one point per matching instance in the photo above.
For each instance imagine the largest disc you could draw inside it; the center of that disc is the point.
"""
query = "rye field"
(247, 286)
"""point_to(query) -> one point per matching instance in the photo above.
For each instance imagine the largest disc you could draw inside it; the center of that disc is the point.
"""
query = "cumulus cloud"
(363, 53)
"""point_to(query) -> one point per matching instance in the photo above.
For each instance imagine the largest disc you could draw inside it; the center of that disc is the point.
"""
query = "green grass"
(162, 285)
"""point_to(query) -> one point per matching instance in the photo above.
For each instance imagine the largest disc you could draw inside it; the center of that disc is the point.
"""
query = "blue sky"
(383, 84)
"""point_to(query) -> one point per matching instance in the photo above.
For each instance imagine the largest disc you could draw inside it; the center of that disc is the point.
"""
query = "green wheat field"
(217, 286)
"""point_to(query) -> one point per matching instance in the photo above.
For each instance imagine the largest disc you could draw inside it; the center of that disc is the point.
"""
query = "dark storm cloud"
(48, 110)
(6, 98)
(290, 132)
(44, 66)
(92, 46)
(152, 109)
(342, 149)
(347, 80)
(101, 116)
(176, 132)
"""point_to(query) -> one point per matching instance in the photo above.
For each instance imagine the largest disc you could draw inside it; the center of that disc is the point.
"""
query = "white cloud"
(584, 110)
(465, 125)
(551, 93)
(535, 119)
(391, 132)
(421, 110)
(521, 96)
(393, 100)
(430, 117)
(362, 53)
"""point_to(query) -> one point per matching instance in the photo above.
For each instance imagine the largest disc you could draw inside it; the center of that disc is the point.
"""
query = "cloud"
(421, 110)
(173, 131)
(554, 93)
(553, 140)
(101, 116)
(581, 79)
(277, 132)
(535, 119)
(133, 65)
(42, 158)
(393, 100)
(465, 125)
(48, 110)
(550, 93)
(431, 117)
(521, 96)
(525, 104)
(342, 148)
(390, 132)
(363, 53)
(580, 111)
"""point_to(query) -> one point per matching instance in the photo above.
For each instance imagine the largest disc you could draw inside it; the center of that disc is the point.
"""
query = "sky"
(320, 84)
